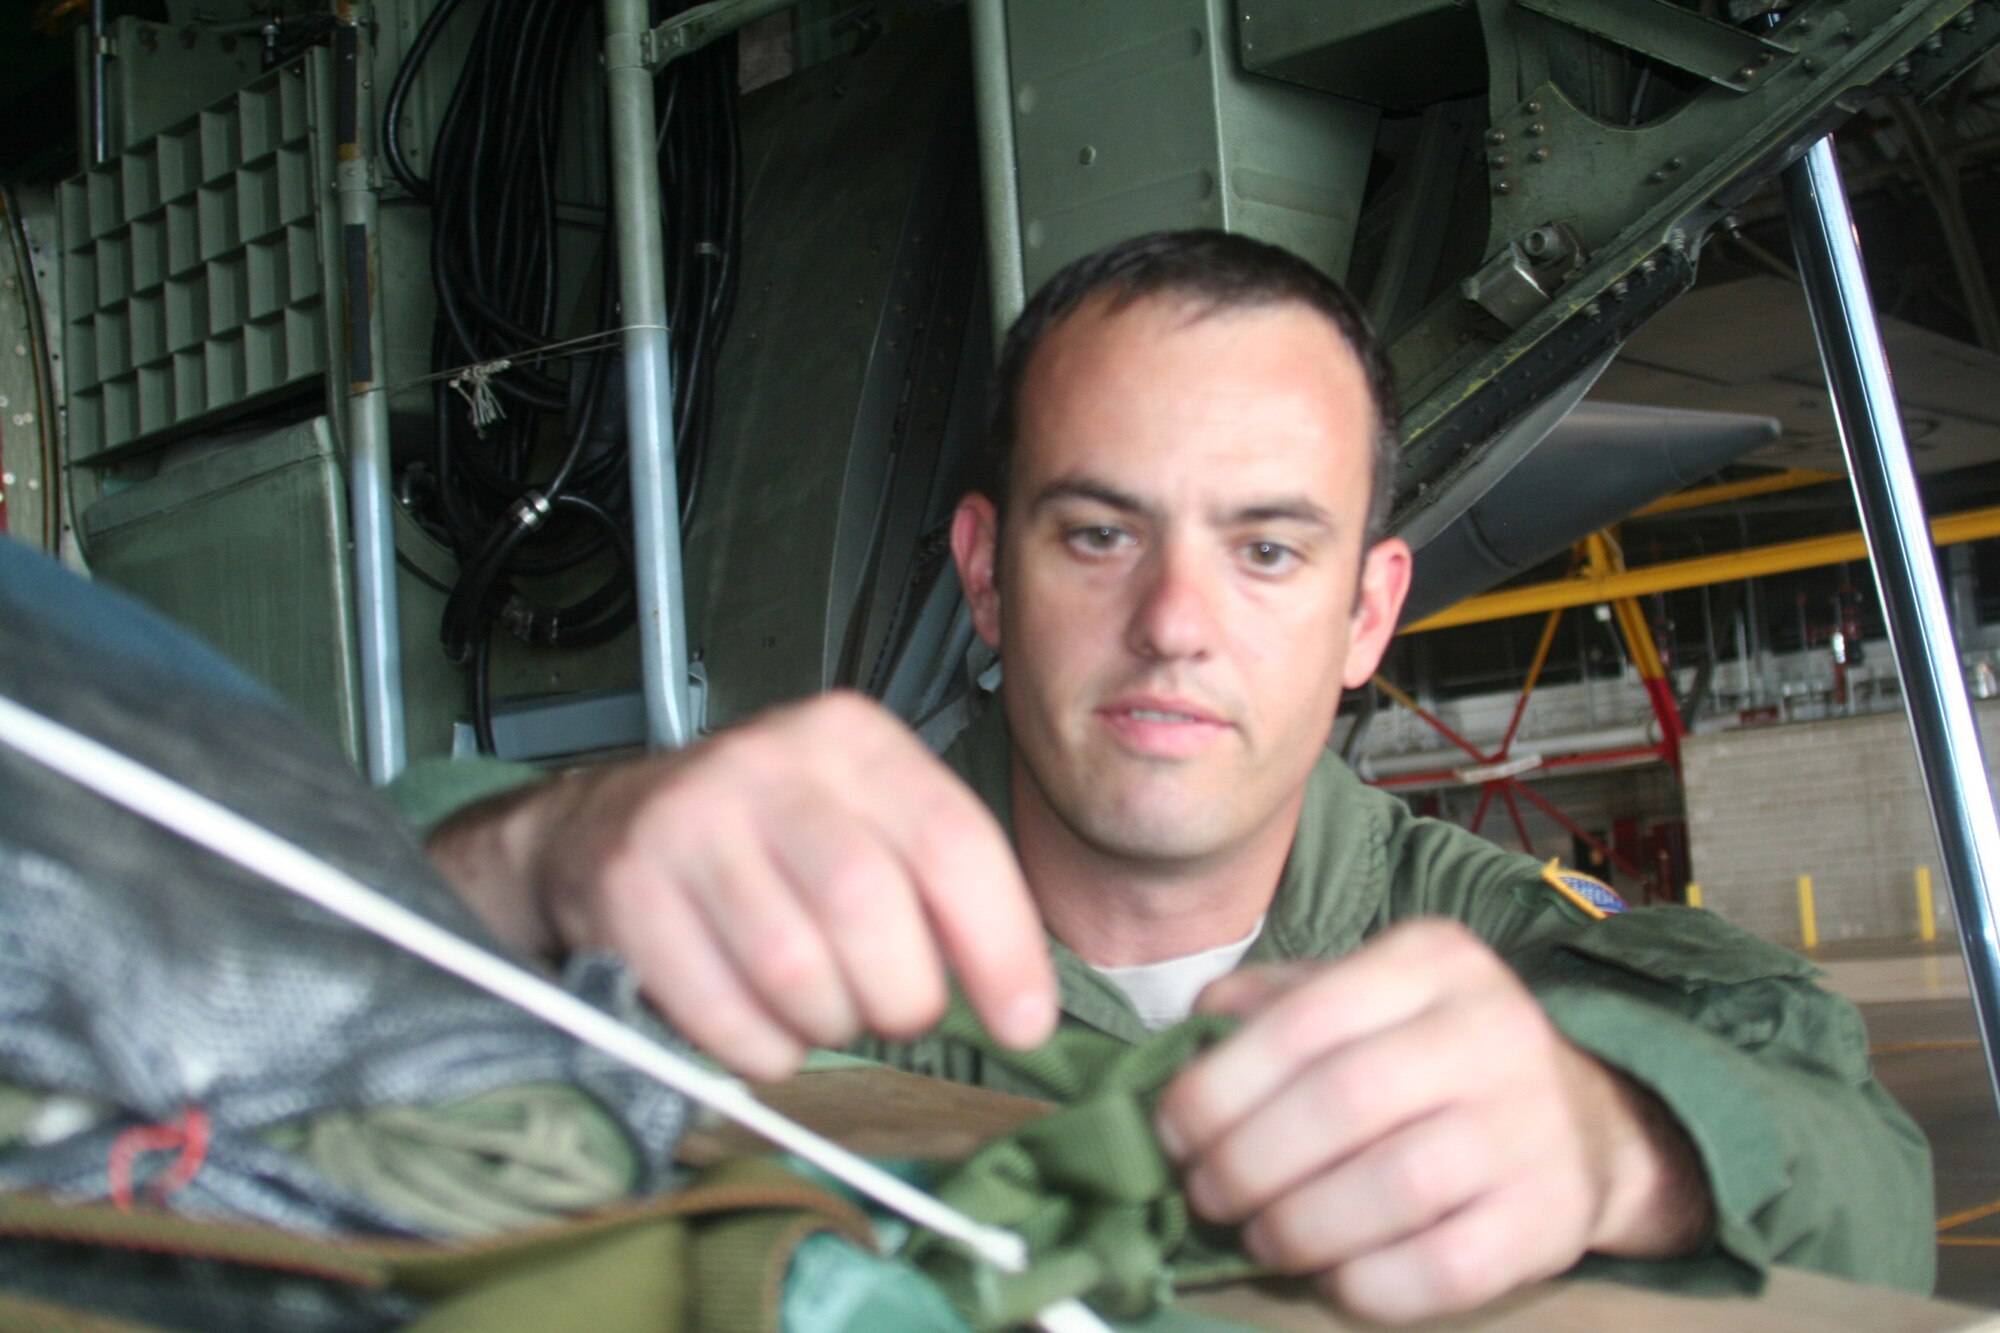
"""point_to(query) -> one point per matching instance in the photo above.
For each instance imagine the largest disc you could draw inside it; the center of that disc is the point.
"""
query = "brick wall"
(1839, 800)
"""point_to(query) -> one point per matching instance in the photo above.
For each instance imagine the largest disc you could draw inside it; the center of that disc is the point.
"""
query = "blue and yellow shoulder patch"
(1593, 897)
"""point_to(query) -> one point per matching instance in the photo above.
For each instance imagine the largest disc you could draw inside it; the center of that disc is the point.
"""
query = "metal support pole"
(1000, 187)
(1906, 577)
(649, 394)
(100, 51)
(377, 623)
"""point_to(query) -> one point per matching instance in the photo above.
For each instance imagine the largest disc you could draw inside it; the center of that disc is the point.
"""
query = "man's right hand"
(792, 882)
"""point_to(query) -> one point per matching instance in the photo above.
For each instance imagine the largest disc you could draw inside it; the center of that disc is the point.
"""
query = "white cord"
(154, 796)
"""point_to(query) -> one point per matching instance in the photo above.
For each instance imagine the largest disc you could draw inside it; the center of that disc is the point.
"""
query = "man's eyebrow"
(1284, 509)
(1084, 488)
(1289, 510)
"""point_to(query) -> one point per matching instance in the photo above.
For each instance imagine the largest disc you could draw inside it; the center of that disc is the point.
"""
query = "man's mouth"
(1162, 728)
(1161, 715)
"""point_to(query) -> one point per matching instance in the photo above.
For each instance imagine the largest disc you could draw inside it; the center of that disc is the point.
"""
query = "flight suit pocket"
(1753, 994)
(1685, 947)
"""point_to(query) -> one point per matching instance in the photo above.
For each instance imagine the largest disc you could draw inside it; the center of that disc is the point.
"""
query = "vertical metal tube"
(649, 395)
(100, 146)
(1906, 577)
(993, 105)
(376, 616)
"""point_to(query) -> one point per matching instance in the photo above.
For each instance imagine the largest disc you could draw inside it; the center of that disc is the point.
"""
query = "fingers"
(1391, 1190)
(981, 910)
(1467, 1259)
(1301, 1016)
(685, 971)
(968, 894)
(753, 909)
(1403, 1122)
(818, 870)
(857, 893)
(1360, 1097)
(1251, 990)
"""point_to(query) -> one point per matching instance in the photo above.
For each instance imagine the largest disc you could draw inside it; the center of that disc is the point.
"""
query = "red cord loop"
(186, 1134)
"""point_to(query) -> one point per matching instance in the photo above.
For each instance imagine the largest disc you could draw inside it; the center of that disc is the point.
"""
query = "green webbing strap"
(659, 1265)
(502, 1160)
(21, 1314)
(739, 1266)
(1087, 1187)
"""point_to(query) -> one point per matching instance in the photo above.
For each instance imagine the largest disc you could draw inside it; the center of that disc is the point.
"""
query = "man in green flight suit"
(1453, 1075)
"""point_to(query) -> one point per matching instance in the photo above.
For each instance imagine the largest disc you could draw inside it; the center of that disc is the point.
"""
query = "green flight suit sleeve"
(428, 793)
(1809, 1161)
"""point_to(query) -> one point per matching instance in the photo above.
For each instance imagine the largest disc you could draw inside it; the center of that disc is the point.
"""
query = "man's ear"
(975, 543)
(1385, 581)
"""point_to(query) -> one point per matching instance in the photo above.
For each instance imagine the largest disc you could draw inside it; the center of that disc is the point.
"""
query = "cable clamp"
(529, 623)
(531, 509)
(475, 385)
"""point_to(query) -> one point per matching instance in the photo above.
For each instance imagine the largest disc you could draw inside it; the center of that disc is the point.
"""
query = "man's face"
(1180, 592)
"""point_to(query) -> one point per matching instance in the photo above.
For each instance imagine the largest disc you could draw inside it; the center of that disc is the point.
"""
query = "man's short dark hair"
(1213, 271)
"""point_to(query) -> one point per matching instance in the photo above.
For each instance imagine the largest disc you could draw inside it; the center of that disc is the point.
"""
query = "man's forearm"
(485, 852)
(1658, 1204)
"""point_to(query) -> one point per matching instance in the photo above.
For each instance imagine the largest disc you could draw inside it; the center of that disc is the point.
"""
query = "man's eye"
(1269, 557)
(1098, 539)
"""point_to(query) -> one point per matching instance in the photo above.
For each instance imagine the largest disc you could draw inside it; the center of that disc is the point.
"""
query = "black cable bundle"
(700, 179)
(494, 267)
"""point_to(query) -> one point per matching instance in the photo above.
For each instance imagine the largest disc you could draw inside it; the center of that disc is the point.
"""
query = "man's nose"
(1174, 616)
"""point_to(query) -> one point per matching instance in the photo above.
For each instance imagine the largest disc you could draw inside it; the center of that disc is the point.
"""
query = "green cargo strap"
(506, 1159)
(20, 1314)
(1087, 1187)
(638, 1266)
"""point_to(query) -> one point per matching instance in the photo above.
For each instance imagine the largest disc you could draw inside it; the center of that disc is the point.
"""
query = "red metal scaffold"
(1499, 772)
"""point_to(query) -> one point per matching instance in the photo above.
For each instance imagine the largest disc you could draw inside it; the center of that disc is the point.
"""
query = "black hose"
(546, 487)
(399, 92)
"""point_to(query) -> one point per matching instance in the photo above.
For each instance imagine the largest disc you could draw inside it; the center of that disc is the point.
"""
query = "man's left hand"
(1406, 1124)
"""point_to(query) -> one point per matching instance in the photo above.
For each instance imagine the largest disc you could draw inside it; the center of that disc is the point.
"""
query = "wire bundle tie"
(475, 385)
(545, 352)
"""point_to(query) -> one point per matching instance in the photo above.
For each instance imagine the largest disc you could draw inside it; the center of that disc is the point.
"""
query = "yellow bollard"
(1808, 919)
(1926, 909)
(1693, 894)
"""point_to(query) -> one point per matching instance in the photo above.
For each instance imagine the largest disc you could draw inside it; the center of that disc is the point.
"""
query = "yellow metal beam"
(1639, 639)
(1542, 652)
(1388, 687)
(1597, 558)
(1602, 559)
(1756, 562)
(1788, 480)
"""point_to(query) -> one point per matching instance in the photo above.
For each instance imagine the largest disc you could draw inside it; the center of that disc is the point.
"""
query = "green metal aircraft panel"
(811, 383)
(193, 269)
(1594, 208)
(1135, 118)
(1395, 54)
(247, 546)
